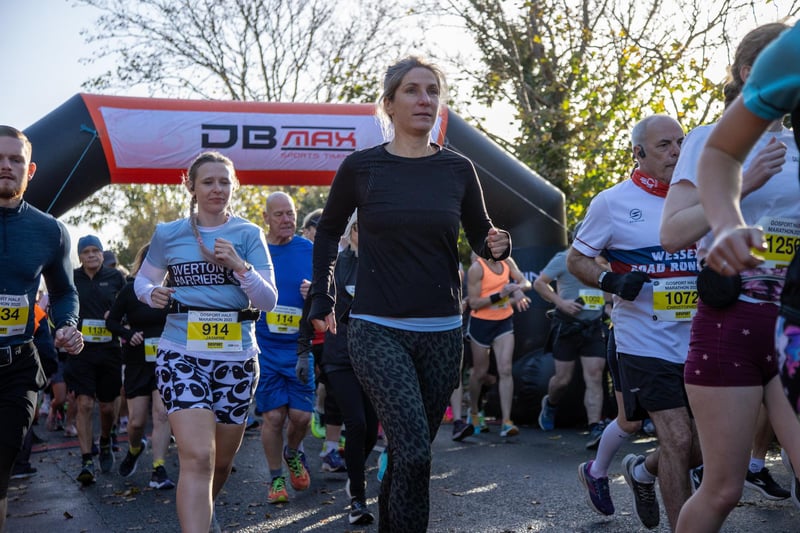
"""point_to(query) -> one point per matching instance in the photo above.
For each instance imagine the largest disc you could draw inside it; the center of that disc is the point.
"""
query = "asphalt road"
(526, 483)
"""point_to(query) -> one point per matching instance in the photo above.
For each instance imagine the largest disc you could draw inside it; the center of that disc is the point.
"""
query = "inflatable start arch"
(92, 141)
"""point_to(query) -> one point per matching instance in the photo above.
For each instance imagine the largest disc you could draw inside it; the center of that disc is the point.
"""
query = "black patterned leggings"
(408, 376)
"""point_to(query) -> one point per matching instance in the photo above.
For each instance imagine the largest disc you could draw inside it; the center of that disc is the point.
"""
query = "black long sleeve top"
(139, 316)
(97, 295)
(409, 213)
(336, 356)
(34, 244)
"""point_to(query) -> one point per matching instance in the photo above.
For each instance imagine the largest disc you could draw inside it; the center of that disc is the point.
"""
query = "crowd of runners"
(360, 326)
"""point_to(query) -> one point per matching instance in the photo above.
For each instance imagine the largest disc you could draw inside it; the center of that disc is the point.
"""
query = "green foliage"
(580, 73)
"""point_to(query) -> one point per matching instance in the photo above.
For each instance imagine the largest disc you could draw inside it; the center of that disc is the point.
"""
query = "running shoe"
(644, 494)
(333, 462)
(597, 493)
(23, 473)
(795, 482)
(106, 459)
(696, 477)
(764, 483)
(87, 474)
(360, 513)
(70, 431)
(648, 427)
(478, 422)
(298, 472)
(462, 430)
(317, 428)
(595, 434)
(160, 480)
(509, 429)
(383, 463)
(128, 465)
(547, 416)
(123, 425)
(277, 491)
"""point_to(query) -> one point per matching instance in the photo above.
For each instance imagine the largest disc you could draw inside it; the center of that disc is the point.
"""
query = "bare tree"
(247, 50)
(254, 50)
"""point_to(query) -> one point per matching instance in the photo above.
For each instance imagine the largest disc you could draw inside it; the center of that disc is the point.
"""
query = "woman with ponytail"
(213, 273)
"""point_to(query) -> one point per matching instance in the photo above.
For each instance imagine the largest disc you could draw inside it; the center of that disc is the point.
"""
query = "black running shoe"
(360, 513)
(106, 458)
(766, 485)
(23, 473)
(462, 430)
(644, 494)
(128, 465)
(86, 476)
(160, 480)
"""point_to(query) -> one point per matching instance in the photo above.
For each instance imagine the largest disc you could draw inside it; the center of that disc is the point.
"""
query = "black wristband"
(495, 297)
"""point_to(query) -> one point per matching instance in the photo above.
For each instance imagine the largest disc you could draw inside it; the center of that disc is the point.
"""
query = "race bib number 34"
(214, 331)
(675, 299)
(13, 314)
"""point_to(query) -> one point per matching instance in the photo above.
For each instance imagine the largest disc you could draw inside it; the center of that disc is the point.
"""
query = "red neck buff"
(648, 184)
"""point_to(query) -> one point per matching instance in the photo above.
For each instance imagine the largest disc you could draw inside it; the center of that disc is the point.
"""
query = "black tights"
(361, 423)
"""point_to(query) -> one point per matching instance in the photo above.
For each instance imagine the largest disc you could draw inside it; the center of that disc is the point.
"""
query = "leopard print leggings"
(408, 376)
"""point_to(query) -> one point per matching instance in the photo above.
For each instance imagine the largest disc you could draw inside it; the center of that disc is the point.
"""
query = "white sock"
(641, 474)
(756, 465)
(331, 445)
(612, 440)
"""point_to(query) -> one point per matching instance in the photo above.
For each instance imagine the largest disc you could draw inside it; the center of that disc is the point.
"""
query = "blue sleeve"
(60, 285)
(43, 339)
(773, 87)
(155, 254)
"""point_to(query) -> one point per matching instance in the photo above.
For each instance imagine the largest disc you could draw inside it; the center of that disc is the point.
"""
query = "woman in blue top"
(217, 269)
(404, 331)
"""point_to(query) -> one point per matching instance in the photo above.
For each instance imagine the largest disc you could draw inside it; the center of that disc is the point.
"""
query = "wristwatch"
(247, 268)
(600, 278)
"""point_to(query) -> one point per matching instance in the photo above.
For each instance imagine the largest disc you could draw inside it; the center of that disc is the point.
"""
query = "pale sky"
(41, 46)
